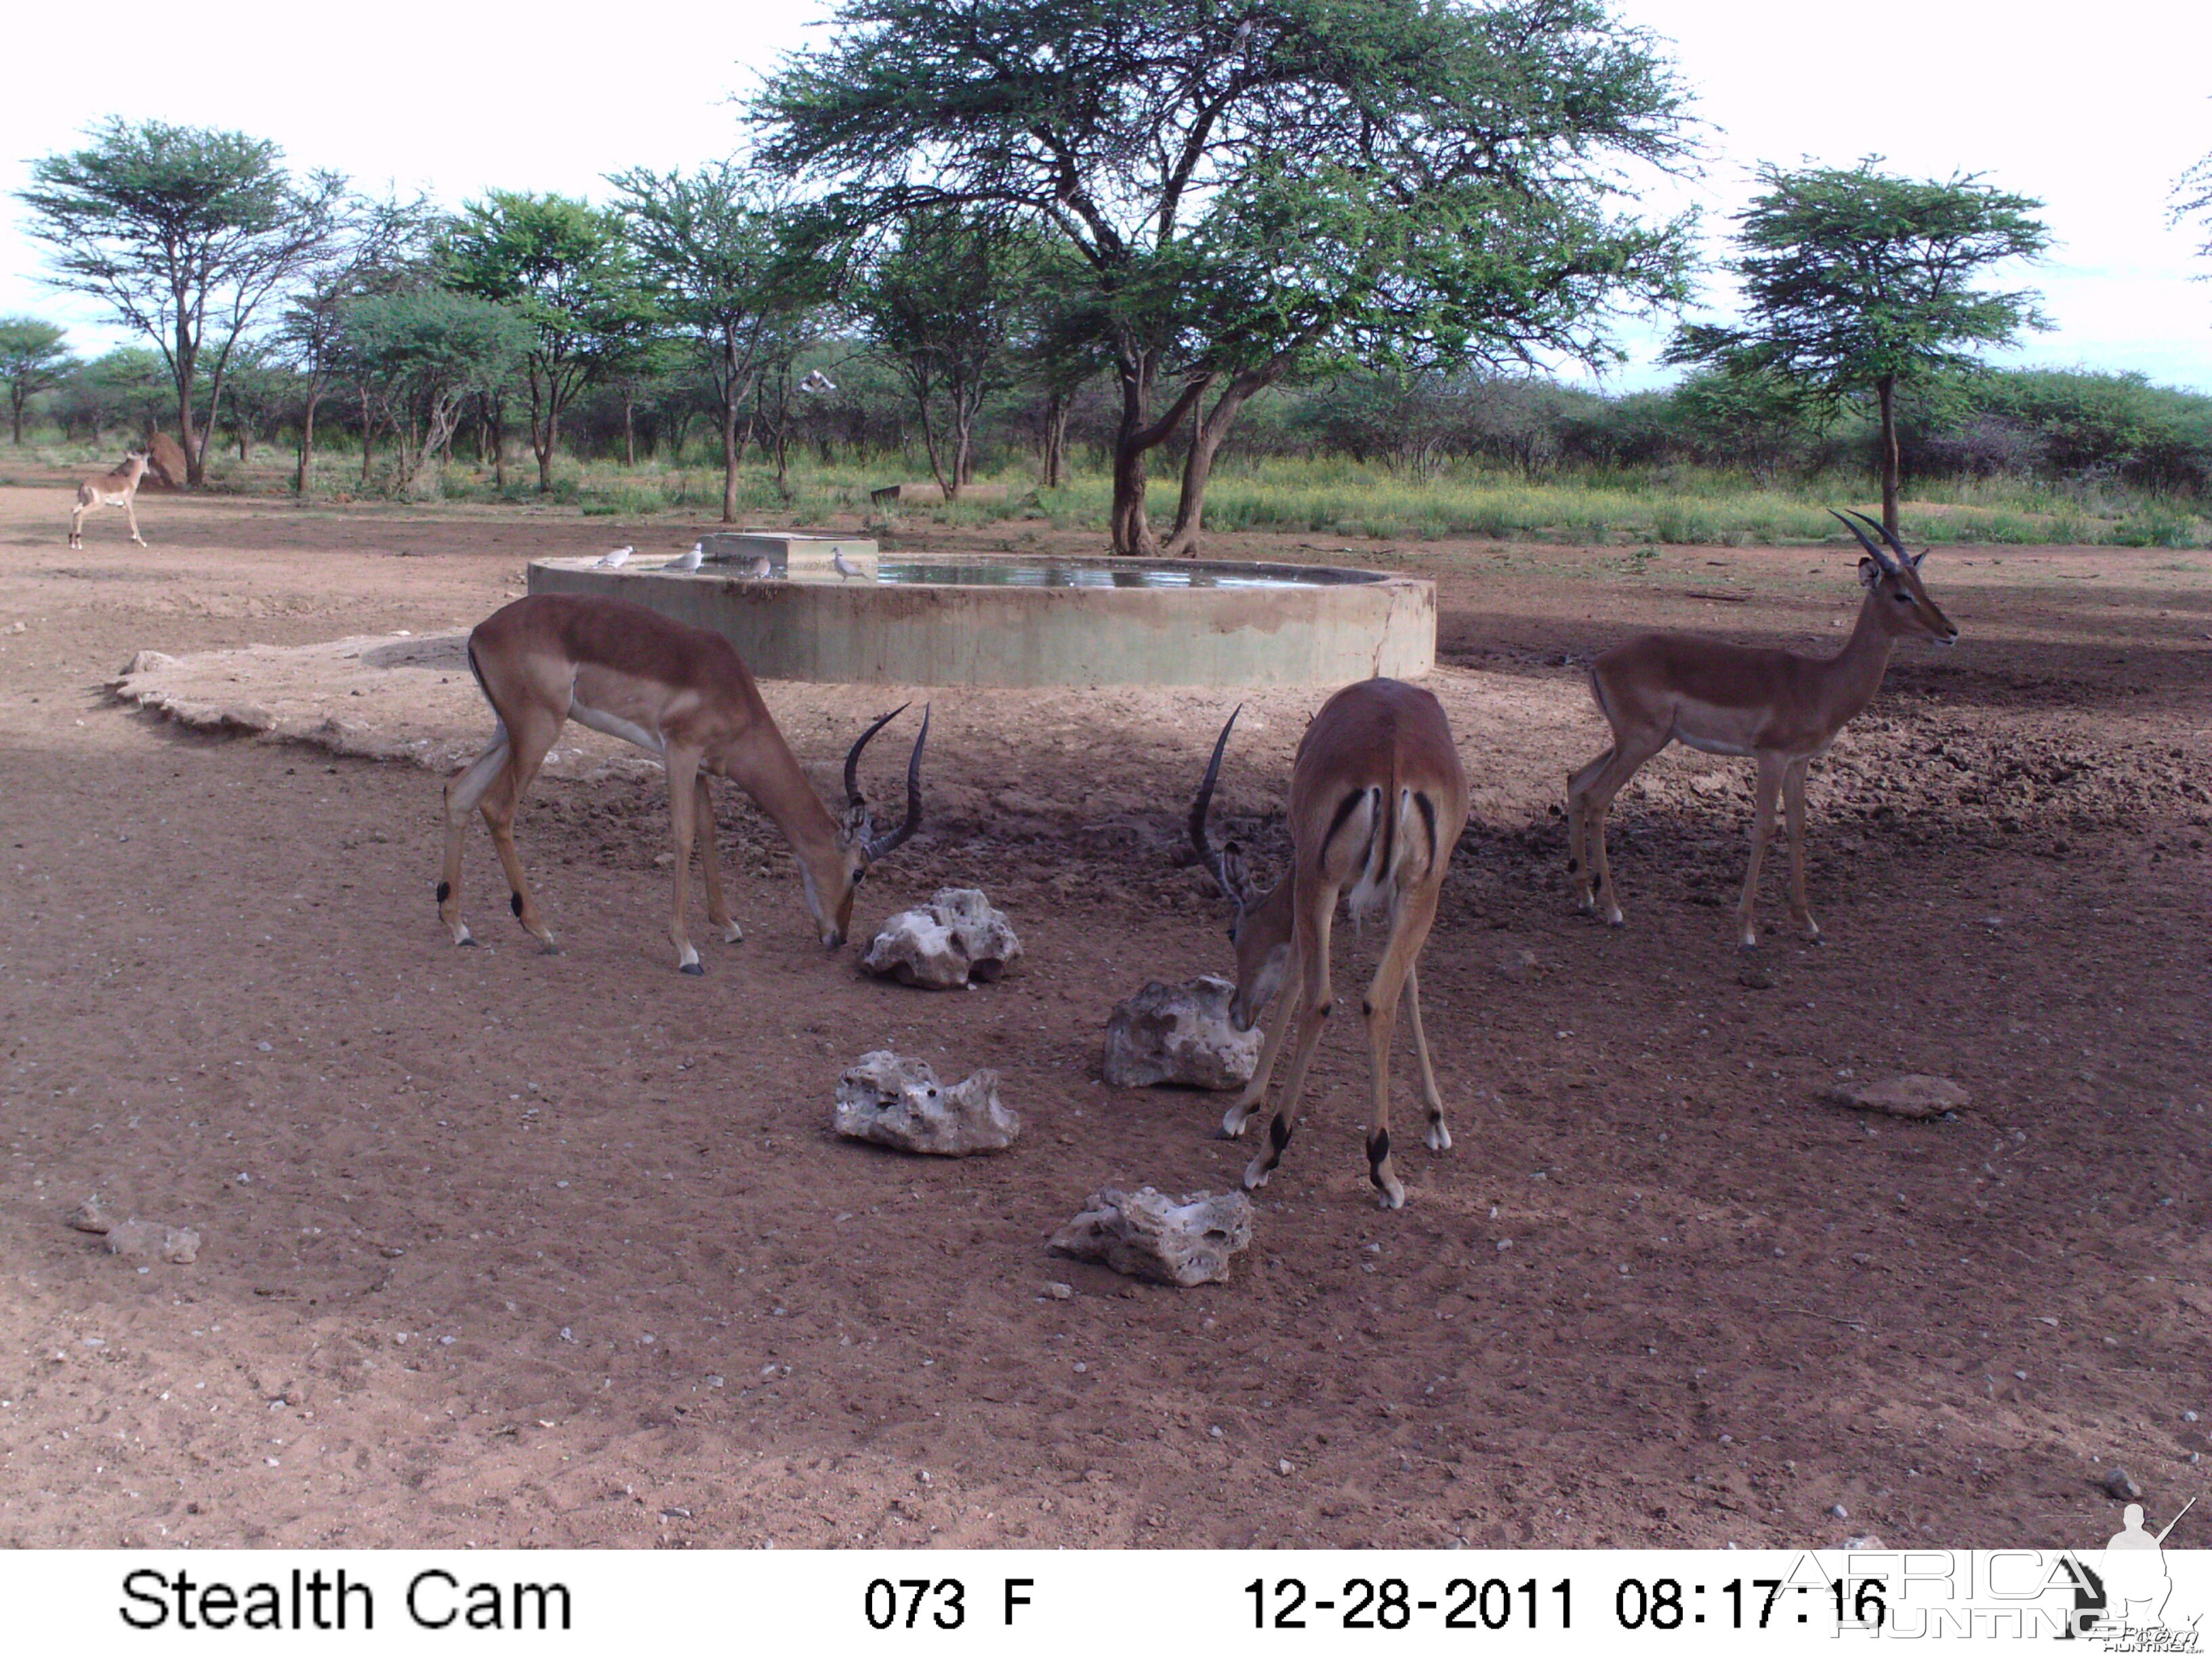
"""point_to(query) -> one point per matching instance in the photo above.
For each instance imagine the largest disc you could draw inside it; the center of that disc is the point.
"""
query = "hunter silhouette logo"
(2127, 1590)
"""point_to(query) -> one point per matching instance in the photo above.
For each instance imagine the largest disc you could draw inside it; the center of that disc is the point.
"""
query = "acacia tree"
(2192, 199)
(424, 354)
(1255, 190)
(943, 304)
(713, 243)
(565, 267)
(377, 247)
(1856, 281)
(184, 232)
(33, 359)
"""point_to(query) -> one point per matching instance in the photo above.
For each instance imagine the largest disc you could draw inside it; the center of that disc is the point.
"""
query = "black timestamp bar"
(1391, 1604)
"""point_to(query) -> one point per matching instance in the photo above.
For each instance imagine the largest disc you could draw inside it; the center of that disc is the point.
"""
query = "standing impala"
(1779, 708)
(680, 693)
(1377, 802)
(116, 489)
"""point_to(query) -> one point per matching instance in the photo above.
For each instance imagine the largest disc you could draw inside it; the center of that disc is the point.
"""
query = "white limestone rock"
(895, 1102)
(1147, 1235)
(954, 940)
(1180, 1034)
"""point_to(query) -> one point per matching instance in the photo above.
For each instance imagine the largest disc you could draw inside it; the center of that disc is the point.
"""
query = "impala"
(677, 692)
(116, 489)
(1377, 802)
(1777, 706)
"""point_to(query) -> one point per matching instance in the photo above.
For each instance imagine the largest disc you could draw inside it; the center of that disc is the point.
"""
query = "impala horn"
(1874, 550)
(1199, 839)
(1901, 551)
(875, 847)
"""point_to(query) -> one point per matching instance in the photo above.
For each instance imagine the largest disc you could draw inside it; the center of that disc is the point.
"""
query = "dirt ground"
(503, 1249)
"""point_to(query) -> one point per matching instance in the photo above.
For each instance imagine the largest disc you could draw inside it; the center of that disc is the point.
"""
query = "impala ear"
(1869, 574)
(1235, 872)
(857, 824)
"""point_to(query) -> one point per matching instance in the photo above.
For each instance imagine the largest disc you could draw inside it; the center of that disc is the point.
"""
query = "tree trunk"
(1134, 440)
(1886, 388)
(731, 451)
(1206, 442)
(949, 487)
(15, 403)
(368, 439)
(630, 433)
(1055, 438)
(301, 479)
(195, 460)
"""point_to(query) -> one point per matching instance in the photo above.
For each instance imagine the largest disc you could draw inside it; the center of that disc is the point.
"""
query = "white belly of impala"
(616, 726)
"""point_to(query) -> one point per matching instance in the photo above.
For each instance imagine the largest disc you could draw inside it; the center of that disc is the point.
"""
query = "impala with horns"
(1379, 799)
(677, 692)
(1781, 709)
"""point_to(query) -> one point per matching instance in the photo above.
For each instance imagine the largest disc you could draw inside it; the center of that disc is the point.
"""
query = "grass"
(1328, 496)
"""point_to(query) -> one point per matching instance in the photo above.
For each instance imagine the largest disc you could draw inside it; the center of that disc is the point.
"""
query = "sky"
(2094, 110)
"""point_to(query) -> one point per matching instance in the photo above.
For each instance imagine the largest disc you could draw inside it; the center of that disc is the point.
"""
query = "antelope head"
(1261, 930)
(1891, 573)
(829, 893)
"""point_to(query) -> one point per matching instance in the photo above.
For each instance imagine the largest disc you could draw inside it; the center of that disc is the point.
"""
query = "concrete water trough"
(1001, 619)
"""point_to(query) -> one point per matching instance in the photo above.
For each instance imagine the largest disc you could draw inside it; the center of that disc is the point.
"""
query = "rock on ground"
(954, 940)
(1180, 1034)
(90, 1217)
(144, 1240)
(1147, 1235)
(1909, 1096)
(897, 1101)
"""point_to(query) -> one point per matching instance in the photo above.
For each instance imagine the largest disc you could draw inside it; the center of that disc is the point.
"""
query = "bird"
(844, 567)
(817, 381)
(616, 560)
(690, 561)
(760, 569)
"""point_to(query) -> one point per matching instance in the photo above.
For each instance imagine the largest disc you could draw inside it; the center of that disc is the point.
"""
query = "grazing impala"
(1377, 802)
(679, 693)
(1779, 708)
(116, 489)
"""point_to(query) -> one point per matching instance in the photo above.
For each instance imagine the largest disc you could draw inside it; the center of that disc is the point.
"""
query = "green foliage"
(180, 231)
(565, 268)
(1853, 277)
(1251, 190)
(422, 354)
(944, 303)
(124, 388)
(33, 359)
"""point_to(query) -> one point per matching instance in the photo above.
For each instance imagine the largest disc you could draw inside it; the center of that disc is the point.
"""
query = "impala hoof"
(546, 947)
(733, 934)
(1439, 1138)
(464, 936)
(693, 968)
(1391, 1197)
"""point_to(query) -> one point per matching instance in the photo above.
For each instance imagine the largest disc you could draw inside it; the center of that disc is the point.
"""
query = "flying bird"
(844, 567)
(616, 560)
(690, 560)
(817, 380)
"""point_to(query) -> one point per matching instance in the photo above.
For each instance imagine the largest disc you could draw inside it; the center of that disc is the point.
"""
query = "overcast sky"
(2094, 110)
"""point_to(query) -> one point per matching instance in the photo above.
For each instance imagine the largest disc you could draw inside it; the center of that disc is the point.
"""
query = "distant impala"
(116, 489)
(1776, 705)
